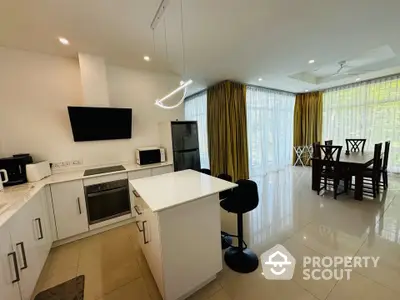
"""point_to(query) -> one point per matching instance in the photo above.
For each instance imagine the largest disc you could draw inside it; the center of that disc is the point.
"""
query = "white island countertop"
(173, 189)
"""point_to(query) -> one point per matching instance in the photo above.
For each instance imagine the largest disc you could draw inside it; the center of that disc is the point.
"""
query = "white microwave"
(150, 155)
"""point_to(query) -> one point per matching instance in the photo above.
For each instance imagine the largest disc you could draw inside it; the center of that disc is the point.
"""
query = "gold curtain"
(307, 124)
(227, 130)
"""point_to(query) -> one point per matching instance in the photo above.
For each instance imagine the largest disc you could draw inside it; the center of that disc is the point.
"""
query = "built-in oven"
(107, 200)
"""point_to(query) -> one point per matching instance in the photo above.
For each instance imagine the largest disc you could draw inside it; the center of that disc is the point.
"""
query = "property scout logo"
(279, 264)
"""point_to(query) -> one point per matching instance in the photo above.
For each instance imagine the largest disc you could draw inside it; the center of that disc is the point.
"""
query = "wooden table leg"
(358, 194)
(315, 177)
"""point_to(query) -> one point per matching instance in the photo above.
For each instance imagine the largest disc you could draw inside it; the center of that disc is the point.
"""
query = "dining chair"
(353, 145)
(330, 168)
(371, 177)
(316, 151)
(385, 165)
(329, 143)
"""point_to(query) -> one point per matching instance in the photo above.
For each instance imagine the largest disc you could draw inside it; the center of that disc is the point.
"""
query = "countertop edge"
(11, 210)
(161, 208)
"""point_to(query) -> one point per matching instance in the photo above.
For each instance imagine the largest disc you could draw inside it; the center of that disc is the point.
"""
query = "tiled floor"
(289, 213)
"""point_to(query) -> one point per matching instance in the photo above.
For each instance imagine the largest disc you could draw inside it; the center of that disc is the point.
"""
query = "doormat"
(70, 290)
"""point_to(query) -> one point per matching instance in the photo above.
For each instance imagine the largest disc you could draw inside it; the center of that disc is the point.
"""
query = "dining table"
(355, 163)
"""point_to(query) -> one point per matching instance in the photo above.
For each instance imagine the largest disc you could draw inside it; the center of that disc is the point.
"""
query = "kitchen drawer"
(139, 174)
(162, 170)
(105, 178)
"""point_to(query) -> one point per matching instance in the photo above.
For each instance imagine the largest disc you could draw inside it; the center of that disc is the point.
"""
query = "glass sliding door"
(196, 110)
(269, 129)
(368, 110)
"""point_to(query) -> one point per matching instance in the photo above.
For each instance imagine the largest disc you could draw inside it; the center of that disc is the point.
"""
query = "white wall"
(36, 89)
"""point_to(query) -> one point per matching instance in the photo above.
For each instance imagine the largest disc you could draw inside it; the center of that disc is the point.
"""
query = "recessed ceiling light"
(311, 61)
(181, 82)
(358, 79)
(260, 79)
(63, 40)
(146, 58)
(306, 90)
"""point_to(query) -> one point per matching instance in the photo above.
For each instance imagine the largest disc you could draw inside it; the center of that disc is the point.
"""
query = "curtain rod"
(360, 82)
(321, 90)
(247, 85)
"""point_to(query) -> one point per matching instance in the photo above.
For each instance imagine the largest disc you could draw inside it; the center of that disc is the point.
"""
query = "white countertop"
(75, 175)
(172, 189)
(14, 197)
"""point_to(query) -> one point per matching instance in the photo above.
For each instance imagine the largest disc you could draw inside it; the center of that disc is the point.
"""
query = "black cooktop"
(103, 170)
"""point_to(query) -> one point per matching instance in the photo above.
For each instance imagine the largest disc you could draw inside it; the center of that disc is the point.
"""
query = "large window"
(196, 110)
(269, 129)
(368, 110)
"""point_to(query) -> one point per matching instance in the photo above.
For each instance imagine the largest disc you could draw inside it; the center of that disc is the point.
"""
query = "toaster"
(38, 171)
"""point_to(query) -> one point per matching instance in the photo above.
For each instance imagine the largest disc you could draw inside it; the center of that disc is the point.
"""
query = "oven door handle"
(108, 191)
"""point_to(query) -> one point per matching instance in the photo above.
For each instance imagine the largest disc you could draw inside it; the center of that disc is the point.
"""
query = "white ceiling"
(224, 39)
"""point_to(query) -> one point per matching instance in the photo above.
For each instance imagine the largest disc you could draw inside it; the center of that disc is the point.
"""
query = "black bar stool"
(226, 239)
(243, 199)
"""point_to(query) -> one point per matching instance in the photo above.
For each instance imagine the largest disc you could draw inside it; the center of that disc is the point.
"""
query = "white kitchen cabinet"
(42, 222)
(136, 175)
(152, 246)
(26, 238)
(69, 208)
(9, 274)
(162, 170)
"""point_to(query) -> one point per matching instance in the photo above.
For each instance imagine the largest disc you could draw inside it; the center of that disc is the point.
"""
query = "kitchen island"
(178, 220)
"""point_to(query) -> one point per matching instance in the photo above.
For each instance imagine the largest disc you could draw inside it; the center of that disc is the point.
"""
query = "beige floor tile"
(148, 278)
(386, 245)
(131, 291)
(328, 240)
(319, 288)
(207, 291)
(220, 295)
(361, 288)
(391, 218)
(65, 257)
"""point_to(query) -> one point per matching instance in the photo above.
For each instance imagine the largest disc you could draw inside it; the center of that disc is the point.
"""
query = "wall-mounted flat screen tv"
(100, 123)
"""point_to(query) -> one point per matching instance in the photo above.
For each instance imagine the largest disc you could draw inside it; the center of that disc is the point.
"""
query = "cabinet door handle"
(135, 193)
(40, 228)
(14, 258)
(137, 225)
(23, 255)
(144, 233)
(79, 205)
(137, 210)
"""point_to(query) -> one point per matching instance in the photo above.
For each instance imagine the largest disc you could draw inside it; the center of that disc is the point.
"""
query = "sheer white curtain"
(196, 110)
(368, 110)
(269, 129)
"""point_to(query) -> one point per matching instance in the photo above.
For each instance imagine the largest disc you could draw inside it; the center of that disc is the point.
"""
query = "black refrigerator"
(185, 145)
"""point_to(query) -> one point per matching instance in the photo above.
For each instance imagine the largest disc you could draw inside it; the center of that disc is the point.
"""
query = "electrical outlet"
(77, 162)
(67, 163)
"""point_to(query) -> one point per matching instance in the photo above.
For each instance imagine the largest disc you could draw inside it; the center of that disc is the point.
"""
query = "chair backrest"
(330, 153)
(225, 194)
(316, 150)
(377, 158)
(355, 145)
(206, 171)
(243, 198)
(386, 157)
(329, 143)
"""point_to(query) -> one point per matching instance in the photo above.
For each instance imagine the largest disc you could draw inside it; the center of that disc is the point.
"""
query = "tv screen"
(100, 123)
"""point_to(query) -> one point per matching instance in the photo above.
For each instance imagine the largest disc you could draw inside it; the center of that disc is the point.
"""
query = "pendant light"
(183, 86)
